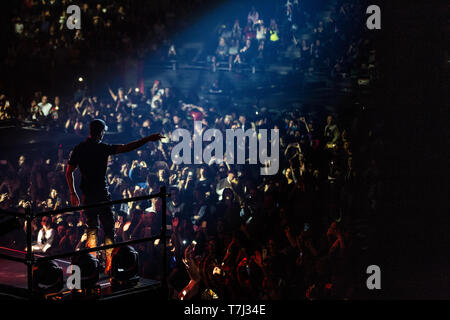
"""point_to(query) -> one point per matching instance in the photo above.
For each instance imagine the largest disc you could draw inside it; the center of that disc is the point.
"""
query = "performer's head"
(97, 129)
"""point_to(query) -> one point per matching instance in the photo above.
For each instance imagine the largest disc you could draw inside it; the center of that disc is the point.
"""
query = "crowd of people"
(256, 236)
(234, 233)
(41, 47)
(113, 40)
(290, 32)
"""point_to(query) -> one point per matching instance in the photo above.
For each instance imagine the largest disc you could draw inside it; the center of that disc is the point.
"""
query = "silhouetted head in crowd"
(330, 120)
(97, 129)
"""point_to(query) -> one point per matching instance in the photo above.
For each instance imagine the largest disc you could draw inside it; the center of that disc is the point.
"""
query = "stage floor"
(14, 274)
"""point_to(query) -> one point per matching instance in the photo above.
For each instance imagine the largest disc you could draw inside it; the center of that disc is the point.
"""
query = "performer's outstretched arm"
(138, 143)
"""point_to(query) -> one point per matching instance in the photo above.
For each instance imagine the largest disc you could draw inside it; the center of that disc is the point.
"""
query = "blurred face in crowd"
(288, 174)
(137, 191)
(57, 101)
(157, 204)
(44, 99)
(329, 120)
(61, 230)
(46, 222)
(21, 160)
(161, 174)
(346, 146)
(53, 193)
(344, 135)
(202, 171)
(143, 164)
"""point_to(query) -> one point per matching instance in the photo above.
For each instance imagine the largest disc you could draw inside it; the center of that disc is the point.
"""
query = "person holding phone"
(91, 157)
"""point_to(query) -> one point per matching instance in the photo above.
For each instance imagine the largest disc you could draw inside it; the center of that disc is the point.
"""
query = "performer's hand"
(74, 200)
(156, 137)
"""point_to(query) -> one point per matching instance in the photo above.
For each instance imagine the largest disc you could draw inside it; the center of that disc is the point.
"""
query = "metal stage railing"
(29, 216)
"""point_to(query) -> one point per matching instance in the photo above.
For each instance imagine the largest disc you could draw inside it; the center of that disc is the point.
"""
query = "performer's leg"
(92, 226)
(107, 221)
(92, 231)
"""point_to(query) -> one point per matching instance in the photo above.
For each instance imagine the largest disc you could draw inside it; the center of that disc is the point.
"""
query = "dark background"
(414, 229)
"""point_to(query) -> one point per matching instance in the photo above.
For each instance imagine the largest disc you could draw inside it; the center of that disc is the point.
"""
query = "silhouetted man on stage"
(91, 156)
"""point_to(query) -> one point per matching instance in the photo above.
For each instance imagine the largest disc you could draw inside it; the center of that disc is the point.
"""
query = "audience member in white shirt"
(45, 236)
(45, 106)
